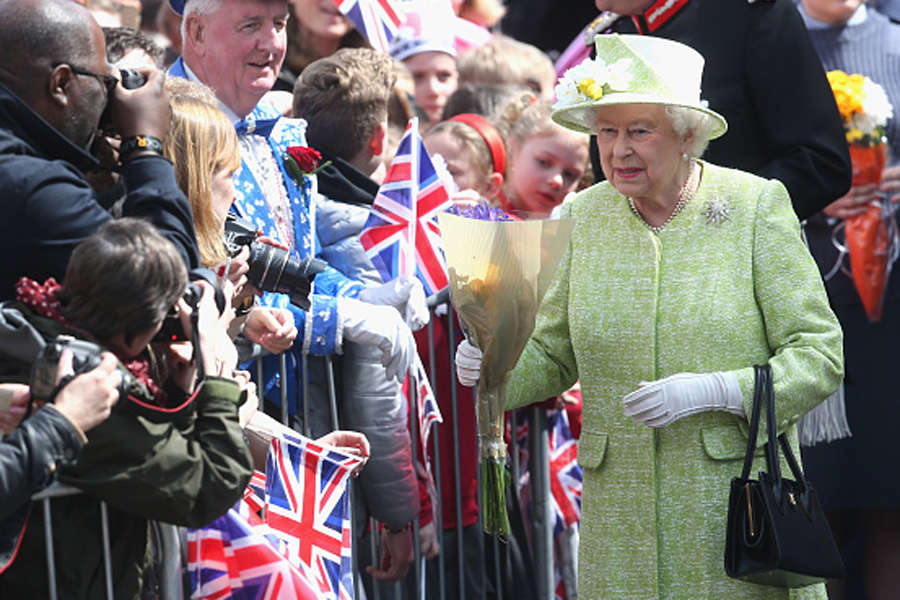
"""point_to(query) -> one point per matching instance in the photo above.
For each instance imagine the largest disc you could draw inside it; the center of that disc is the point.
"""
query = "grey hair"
(199, 7)
(687, 121)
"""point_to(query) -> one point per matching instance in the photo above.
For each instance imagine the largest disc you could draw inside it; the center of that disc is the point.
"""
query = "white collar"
(858, 16)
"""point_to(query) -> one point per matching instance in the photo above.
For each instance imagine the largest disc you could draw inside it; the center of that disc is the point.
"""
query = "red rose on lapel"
(308, 159)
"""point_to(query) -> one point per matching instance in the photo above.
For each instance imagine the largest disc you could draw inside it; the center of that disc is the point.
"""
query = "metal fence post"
(540, 502)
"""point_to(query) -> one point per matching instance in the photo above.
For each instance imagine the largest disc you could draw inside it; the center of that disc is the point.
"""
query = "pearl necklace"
(687, 191)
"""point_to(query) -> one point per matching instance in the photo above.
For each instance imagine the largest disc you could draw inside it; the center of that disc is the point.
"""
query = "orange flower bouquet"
(865, 110)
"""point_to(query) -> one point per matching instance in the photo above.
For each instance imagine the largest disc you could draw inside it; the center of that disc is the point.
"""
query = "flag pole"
(412, 224)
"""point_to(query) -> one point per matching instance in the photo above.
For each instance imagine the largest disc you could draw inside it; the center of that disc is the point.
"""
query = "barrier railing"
(169, 541)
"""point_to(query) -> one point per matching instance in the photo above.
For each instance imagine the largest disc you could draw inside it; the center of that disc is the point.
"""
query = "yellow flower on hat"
(591, 88)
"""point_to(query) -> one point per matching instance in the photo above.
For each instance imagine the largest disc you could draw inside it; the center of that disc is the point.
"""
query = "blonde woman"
(203, 147)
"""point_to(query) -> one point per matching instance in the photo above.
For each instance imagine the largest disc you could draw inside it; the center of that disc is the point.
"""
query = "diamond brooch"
(717, 211)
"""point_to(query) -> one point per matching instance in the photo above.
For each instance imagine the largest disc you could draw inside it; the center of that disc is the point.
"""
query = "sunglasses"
(108, 81)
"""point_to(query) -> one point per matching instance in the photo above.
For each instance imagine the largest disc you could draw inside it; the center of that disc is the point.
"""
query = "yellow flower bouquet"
(865, 110)
(499, 272)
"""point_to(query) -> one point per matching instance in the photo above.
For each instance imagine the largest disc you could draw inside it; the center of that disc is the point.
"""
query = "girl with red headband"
(545, 161)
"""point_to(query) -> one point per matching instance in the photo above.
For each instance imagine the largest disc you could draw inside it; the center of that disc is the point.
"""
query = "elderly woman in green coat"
(679, 277)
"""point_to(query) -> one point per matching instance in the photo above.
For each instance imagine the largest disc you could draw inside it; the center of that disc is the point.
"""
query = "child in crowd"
(486, 100)
(473, 151)
(345, 100)
(427, 49)
(504, 60)
(545, 162)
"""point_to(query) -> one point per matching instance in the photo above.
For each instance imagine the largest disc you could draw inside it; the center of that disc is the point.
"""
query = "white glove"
(468, 363)
(380, 326)
(662, 402)
(406, 294)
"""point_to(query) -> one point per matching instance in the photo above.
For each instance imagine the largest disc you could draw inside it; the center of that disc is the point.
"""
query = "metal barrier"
(169, 541)
(542, 524)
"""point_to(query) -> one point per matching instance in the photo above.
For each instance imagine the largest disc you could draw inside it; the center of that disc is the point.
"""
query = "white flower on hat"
(590, 79)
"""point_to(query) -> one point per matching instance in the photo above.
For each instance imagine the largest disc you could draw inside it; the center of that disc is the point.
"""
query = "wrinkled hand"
(890, 183)
(428, 541)
(853, 203)
(88, 398)
(349, 442)
(271, 328)
(380, 326)
(396, 556)
(11, 414)
(406, 294)
(468, 363)
(662, 402)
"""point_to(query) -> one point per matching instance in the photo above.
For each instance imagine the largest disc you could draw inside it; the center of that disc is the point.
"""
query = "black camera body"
(172, 330)
(131, 79)
(272, 269)
(85, 357)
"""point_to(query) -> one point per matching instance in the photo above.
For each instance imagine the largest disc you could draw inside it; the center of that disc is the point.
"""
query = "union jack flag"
(307, 510)
(565, 473)
(230, 558)
(401, 235)
(427, 410)
(377, 20)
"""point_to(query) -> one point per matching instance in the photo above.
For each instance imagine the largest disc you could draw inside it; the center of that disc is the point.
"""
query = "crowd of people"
(697, 146)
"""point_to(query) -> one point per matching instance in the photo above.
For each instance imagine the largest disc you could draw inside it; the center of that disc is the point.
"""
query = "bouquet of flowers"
(499, 271)
(865, 110)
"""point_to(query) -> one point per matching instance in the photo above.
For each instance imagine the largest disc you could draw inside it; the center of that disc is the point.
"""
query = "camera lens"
(275, 270)
(131, 79)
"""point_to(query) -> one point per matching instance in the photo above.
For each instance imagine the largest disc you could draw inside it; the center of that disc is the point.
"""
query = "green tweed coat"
(628, 305)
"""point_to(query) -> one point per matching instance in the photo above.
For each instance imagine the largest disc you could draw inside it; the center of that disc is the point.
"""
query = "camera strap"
(195, 341)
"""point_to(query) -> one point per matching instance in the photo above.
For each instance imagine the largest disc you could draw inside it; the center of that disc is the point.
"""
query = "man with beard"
(55, 84)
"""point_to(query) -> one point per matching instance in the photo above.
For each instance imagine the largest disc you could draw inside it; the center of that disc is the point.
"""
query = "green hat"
(631, 69)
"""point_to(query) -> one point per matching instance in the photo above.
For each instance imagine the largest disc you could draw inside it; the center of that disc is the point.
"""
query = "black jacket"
(48, 207)
(29, 458)
(763, 75)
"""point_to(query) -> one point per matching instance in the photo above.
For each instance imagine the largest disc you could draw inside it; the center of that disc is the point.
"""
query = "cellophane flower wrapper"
(867, 235)
(499, 272)
(865, 110)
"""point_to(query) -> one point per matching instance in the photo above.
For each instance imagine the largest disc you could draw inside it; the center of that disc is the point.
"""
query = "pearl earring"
(684, 155)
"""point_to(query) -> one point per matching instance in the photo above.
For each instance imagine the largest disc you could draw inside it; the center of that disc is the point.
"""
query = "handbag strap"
(754, 422)
(773, 463)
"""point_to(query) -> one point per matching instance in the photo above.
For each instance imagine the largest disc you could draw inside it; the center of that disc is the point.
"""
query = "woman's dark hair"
(123, 278)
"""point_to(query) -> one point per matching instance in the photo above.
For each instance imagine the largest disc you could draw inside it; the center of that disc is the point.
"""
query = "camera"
(272, 269)
(131, 79)
(171, 330)
(85, 357)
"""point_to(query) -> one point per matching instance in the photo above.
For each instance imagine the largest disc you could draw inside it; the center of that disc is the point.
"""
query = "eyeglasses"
(108, 81)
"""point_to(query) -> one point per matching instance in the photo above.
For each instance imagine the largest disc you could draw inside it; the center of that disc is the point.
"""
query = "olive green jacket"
(628, 305)
(186, 465)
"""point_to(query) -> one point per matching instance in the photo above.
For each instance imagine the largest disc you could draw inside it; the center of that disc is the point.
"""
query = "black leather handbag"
(777, 533)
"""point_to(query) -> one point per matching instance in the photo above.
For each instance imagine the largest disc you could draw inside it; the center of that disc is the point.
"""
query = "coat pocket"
(725, 442)
(591, 449)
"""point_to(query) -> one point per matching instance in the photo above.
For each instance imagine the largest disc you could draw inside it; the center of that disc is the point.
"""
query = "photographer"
(172, 449)
(29, 455)
(55, 85)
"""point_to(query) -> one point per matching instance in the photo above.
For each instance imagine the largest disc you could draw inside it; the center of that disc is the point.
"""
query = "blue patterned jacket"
(319, 329)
